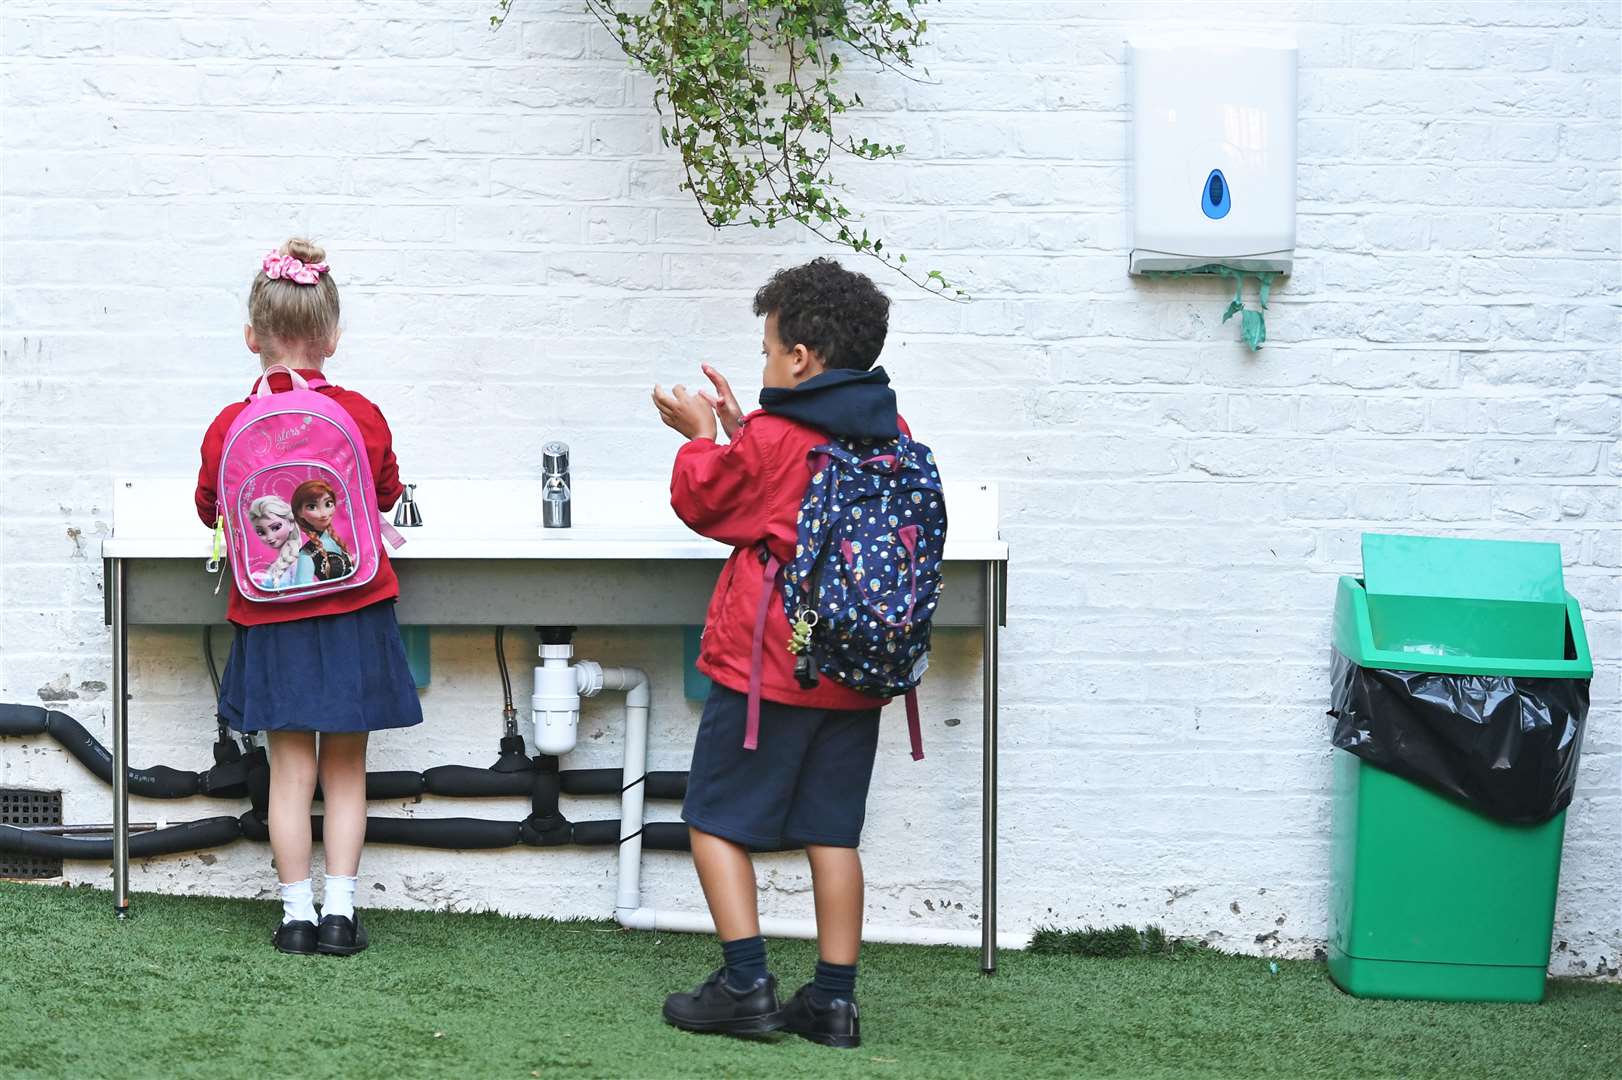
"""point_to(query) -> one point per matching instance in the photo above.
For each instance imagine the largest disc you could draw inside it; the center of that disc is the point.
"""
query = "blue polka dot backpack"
(866, 575)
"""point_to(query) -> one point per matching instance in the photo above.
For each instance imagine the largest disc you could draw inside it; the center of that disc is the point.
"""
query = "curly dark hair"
(836, 313)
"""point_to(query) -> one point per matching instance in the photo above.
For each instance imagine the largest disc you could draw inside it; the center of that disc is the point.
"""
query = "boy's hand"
(685, 411)
(723, 401)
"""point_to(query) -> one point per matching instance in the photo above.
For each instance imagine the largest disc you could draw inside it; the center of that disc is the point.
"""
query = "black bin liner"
(1506, 747)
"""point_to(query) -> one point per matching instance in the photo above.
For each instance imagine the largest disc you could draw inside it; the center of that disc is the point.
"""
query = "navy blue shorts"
(332, 673)
(805, 784)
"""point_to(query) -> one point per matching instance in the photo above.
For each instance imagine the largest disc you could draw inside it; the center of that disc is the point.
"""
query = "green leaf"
(756, 147)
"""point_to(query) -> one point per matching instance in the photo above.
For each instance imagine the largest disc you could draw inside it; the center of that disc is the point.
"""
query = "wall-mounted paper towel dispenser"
(1212, 153)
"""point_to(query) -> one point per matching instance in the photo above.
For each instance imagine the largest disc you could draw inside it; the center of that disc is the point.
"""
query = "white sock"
(339, 897)
(298, 902)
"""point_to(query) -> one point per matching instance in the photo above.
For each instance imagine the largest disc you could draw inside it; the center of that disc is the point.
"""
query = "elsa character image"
(273, 522)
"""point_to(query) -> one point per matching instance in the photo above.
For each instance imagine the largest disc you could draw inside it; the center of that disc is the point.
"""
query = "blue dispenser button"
(1215, 199)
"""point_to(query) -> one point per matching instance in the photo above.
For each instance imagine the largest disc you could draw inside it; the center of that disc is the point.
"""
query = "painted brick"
(515, 254)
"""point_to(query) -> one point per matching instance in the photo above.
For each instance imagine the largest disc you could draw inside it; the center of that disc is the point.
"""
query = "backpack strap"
(757, 663)
(261, 386)
(390, 533)
(915, 733)
(757, 654)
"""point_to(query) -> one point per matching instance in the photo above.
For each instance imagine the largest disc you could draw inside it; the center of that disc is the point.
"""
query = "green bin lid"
(1448, 597)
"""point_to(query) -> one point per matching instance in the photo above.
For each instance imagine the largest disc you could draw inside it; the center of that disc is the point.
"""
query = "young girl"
(315, 675)
(314, 505)
(273, 522)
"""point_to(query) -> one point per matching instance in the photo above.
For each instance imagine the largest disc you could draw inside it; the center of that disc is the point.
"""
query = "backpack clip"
(216, 555)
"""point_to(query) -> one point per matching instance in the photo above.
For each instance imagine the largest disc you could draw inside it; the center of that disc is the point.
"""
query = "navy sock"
(745, 961)
(833, 981)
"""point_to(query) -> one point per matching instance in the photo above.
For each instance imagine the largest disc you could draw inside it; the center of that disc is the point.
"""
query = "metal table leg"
(988, 784)
(117, 619)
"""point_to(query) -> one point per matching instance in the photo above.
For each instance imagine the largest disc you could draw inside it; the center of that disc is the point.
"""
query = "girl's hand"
(685, 411)
(723, 401)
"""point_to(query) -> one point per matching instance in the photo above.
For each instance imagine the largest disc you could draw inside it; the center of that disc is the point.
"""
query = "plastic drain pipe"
(633, 782)
(628, 909)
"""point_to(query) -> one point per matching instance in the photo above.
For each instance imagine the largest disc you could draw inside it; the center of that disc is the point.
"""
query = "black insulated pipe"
(469, 782)
(192, 836)
(442, 832)
(658, 835)
(450, 833)
(543, 796)
(228, 781)
(158, 782)
(234, 778)
(399, 784)
(248, 775)
(22, 721)
(445, 833)
(472, 833)
(547, 830)
(661, 785)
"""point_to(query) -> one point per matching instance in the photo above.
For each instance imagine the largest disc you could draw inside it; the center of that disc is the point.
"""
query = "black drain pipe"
(191, 836)
(238, 775)
(229, 779)
(450, 833)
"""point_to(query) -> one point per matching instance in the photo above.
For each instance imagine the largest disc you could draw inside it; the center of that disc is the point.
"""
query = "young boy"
(805, 785)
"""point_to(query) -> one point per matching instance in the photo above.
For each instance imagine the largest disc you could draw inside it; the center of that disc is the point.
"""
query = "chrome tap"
(555, 492)
(406, 515)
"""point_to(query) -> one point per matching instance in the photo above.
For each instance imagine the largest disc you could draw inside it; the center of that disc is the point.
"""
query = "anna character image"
(315, 505)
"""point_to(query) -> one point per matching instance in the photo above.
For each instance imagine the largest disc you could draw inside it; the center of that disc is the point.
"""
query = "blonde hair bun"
(305, 251)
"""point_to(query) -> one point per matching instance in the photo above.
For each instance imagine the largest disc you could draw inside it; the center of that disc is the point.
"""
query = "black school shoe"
(296, 937)
(715, 1008)
(836, 1025)
(339, 936)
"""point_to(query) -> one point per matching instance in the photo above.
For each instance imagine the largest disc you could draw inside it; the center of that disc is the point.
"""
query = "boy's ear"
(806, 363)
(248, 336)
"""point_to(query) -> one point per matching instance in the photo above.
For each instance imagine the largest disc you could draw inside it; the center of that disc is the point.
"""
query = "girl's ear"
(249, 337)
(332, 346)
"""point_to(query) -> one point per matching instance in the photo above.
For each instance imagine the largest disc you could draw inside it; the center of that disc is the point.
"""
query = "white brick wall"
(517, 264)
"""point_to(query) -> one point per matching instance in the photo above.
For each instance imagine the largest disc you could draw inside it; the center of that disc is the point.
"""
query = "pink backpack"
(298, 506)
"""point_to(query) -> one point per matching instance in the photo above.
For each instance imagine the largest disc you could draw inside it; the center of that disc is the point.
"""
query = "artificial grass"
(190, 987)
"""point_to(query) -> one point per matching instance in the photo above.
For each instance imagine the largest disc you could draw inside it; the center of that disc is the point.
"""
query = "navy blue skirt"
(333, 673)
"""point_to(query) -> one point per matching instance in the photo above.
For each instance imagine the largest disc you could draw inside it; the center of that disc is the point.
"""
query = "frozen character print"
(273, 522)
(315, 505)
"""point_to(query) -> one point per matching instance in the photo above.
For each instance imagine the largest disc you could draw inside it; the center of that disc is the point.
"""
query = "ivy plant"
(749, 93)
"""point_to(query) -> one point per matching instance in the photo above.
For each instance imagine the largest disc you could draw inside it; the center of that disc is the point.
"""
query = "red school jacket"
(385, 472)
(745, 493)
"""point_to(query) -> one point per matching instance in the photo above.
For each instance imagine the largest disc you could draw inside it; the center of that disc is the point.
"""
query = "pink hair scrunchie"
(277, 265)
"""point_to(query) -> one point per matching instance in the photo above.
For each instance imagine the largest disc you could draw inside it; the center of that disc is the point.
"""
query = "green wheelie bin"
(1461, 676)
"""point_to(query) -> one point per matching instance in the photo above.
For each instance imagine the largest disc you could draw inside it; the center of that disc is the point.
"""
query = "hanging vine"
(748, 93)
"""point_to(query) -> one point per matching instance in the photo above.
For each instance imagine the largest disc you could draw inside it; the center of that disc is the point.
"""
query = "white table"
(481, 558)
